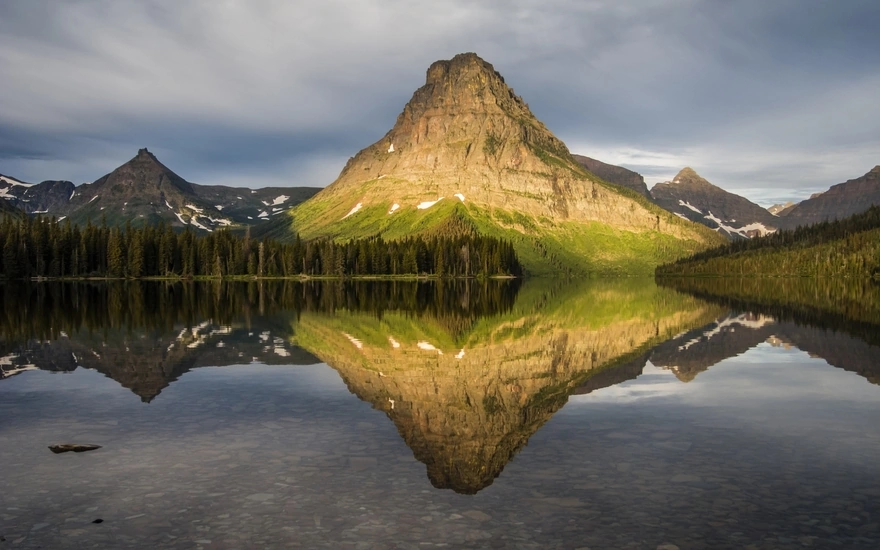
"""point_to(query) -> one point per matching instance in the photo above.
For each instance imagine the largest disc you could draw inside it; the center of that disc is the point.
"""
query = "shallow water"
(571, 418)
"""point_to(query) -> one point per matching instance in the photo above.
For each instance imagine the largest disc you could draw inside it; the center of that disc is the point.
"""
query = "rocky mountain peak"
(145, 171)
(466, 99)
(692, 197)
(875, 170)
(688, 175)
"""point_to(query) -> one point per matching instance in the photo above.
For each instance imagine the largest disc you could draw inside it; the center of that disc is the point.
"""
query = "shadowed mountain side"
(465, 411)
(617, 175)
(840, 201)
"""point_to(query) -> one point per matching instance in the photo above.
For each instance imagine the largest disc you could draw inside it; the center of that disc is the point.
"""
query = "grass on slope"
(544, 247)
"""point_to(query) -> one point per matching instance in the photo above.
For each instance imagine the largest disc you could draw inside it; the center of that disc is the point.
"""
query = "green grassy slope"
(544, 246)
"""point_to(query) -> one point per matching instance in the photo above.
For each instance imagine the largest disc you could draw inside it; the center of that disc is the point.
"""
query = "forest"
(44, 248)
(842, 248)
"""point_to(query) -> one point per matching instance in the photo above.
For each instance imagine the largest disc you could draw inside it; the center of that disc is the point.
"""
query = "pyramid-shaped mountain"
(467, 152)
(143, 190)
(690, 196)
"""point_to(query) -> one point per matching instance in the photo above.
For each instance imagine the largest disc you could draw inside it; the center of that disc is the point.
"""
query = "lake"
(500, 414)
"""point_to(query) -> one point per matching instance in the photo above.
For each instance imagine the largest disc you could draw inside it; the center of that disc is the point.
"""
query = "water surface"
(487, 415)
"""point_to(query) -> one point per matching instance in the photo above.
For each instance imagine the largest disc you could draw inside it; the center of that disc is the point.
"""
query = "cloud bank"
(773, 100)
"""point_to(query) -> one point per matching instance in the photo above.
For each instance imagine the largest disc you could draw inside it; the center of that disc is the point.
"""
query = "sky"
(773, 100)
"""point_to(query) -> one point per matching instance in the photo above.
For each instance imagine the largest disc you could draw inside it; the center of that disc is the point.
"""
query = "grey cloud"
(771, 99)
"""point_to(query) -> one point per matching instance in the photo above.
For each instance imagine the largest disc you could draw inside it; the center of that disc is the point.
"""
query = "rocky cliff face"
(466, 140)
(840, 201)
(690, 196)
(617, 175)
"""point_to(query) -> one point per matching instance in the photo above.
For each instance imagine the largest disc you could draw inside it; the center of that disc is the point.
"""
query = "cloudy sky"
(771, 99)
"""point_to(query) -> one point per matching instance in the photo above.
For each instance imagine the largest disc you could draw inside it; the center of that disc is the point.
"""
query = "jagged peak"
(686, 172)
(689, 176)
(466, 82)
(145, 154)
(460, 65)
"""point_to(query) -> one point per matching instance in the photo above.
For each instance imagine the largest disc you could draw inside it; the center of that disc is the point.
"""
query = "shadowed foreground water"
(604, 415)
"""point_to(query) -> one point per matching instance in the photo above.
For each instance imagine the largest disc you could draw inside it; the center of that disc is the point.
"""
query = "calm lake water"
(599, 414)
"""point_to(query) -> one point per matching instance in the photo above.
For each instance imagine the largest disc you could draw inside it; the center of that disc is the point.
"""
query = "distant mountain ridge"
(840, 201)
(692, 197)
(615, 174)
(143, 190)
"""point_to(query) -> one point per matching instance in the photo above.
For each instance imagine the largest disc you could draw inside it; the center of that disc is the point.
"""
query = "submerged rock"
(74, 447)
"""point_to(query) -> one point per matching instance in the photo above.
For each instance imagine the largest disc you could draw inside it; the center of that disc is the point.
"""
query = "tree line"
(842, 248)
(43, 311)
(43, 247)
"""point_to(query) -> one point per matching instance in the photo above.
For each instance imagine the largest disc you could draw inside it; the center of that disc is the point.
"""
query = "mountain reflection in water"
(468, 371)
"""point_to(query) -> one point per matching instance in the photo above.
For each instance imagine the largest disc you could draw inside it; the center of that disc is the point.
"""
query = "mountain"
(615, 174)
(143, 190)
(34, 198)
(781, 209)
(692, 197)
(840, 201)
(467, 154)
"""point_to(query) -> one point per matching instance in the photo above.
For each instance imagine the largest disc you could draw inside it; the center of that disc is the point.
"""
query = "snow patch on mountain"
(428, 204)
(280, 199)
(688, 205)
(742, 231)
(13, 181)
(354, 209)
(460, 197)
(394, 208)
